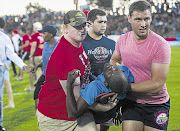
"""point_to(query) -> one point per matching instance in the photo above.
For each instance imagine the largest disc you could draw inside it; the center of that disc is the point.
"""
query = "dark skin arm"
(74, 108)
(77, 108)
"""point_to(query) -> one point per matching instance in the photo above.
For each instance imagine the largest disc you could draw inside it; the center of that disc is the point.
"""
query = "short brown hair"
(140, 5)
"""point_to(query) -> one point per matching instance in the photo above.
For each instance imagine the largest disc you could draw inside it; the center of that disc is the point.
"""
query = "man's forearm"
(71, 102)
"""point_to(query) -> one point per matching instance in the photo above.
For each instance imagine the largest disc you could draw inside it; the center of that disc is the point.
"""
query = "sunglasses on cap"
(80, 27)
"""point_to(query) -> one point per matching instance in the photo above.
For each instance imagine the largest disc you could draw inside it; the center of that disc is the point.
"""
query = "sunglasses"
(80, 27)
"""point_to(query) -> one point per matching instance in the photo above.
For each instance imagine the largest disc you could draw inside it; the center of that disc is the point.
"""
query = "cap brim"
(40, 30)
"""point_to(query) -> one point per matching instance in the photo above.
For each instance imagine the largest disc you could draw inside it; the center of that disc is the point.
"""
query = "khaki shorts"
(83, 123)
(37, 60)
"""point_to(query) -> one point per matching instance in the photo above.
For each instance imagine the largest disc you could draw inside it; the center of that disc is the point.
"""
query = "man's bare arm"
(25, 45)
(159, 73)
(33, 48)
(74, 108)
(115, 59)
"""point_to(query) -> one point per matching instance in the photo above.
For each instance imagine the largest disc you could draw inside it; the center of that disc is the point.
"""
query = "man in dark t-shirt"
(98, 47)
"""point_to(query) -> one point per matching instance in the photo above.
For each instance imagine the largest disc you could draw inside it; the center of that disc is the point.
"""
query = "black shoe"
(2, 129)
(14, 75)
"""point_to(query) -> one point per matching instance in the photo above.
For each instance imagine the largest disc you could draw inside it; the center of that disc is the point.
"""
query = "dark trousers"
(14, 68)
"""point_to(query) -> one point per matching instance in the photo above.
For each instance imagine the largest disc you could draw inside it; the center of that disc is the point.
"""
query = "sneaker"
(29, 90)
(18, 79)
(14, 75)
(2, 129)
(9, 106)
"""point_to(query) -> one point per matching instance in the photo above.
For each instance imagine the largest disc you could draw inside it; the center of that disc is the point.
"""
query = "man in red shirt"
(26, 38)
(36, 52)
(68, 55)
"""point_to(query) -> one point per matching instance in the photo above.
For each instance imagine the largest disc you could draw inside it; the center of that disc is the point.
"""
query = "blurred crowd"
(166, 21)
(27, 20)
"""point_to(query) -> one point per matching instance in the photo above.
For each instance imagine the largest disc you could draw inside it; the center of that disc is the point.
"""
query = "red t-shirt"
(26, 37)
(65, 58)
(38, 37)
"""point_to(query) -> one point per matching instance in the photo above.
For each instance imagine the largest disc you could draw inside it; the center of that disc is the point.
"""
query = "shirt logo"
(162, 118)
(78, 14)
(100, 53)
(81, 58)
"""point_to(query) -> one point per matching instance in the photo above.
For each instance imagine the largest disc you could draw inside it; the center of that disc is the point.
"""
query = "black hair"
(118, 82)
(2, 23)
(141, 5)
(92, 15)
(23, 29)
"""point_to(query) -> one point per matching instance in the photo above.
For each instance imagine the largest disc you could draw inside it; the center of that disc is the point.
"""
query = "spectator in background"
(15, 40)
(25, 47)
(98, 47)
(49, 32)
(7, 48)
(147, 55)
(36, 53)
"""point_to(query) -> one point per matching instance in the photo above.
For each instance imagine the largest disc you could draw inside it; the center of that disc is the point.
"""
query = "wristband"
(129, 87)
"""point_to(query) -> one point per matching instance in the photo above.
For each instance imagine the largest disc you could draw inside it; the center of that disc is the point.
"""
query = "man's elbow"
(159, 87)
(72, 116)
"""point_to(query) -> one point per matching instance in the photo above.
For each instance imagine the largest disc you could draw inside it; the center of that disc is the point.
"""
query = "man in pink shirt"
(147, 55)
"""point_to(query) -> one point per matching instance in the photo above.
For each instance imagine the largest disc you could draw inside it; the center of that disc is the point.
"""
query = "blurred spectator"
(25, 47)
(36, 52)
(164, 14)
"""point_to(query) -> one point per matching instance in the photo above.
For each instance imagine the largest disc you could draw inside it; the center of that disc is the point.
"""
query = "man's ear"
(105, 83)
(129, 18)
(90, 23)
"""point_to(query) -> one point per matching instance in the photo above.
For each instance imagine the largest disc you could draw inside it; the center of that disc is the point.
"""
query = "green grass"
(23, 118)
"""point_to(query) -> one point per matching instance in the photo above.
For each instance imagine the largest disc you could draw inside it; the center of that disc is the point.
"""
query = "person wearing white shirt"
(7, 48)
(16, 39)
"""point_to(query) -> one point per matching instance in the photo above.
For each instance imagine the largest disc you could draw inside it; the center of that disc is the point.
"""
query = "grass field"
(23, 118)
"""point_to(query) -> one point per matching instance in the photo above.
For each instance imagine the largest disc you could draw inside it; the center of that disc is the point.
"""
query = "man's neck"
(51, 42)
(141, 39)
(74, 43)
(94, 36)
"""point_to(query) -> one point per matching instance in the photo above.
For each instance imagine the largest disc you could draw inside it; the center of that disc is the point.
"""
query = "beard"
(98, 33)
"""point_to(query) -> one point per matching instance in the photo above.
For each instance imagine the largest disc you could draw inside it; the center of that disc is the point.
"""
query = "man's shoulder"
(5, 36)
(45, 45)
(87, 38)
(157, 38)
(108, 39)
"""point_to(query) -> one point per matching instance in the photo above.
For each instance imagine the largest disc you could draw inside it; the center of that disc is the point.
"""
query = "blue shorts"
(152, 115)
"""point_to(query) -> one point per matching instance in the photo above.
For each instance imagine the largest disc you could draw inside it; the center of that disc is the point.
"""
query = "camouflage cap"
(75, 18)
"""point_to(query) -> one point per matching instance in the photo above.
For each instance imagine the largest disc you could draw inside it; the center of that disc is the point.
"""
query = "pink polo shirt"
(138, 57)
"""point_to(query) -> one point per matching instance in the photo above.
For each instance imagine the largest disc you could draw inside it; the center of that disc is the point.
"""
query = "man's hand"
(72, 76)
(33, 69)
(28, 69)
(6, 67)
(103, 98)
